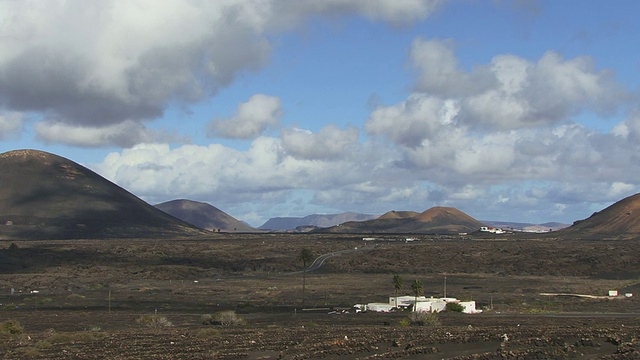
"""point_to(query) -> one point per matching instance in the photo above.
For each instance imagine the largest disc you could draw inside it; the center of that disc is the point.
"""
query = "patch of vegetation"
(154, 321)
(454, 307)
(54, 338)
(44, 301)
(208, 333)
(424, 318)
(223, 318)
(75, 297)
(11, 328)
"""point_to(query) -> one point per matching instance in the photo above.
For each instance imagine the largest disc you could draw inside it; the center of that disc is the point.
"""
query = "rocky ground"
(86, 299)
(316, 336)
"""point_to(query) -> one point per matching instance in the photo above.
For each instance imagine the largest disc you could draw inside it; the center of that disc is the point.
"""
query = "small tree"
(454, 307)
(397, 285)
(416, 287)
(306, 256)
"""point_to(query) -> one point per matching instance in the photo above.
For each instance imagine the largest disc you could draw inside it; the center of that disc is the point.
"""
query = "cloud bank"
(100, 66)
(503, 134)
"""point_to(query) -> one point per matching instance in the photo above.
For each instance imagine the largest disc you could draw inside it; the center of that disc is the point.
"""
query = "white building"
(431, 304)
(492, 230)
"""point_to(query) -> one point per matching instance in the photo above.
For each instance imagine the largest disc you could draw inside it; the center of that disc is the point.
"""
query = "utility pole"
(445, 286)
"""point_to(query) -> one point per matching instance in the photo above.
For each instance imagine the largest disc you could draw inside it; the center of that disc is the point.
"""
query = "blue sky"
(507, 110)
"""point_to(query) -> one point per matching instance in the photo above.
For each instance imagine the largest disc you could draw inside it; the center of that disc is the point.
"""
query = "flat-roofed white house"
(431, 304)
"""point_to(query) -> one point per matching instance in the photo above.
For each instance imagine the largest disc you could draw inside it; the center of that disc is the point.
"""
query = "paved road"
(319, 261)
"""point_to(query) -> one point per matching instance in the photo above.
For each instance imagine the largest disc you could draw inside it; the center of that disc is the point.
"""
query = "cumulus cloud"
(525, 170)
(253, 117)
(125, 134)
(98, 64)
(513, 92)
(398, 13)
(329, 143)
(159, 171)
(509, 122)
(412, 121)
(10, 124)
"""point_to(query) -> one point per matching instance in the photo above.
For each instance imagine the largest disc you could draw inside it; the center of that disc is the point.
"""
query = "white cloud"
(253, 117)
(124, 134)
(398, 13)
(512, 92)
(100, 63)
(329, 143)
(438, 73)
(412, 121)
(10, 124)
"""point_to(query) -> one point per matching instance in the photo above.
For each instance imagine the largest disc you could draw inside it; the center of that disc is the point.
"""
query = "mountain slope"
(204, 216)
(45, 196)
(437, 220)
(319, 220)
(620, 220)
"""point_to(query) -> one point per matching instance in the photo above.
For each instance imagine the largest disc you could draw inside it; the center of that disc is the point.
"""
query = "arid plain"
(85, 298)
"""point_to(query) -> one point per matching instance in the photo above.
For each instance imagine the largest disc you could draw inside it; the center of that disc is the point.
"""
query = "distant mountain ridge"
(315, 220)
(45, 196)
(436, 220)
(204, 216)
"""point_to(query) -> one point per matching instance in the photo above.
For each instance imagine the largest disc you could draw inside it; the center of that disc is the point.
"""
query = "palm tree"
(397, 285)
(417, 287)
(306, 256)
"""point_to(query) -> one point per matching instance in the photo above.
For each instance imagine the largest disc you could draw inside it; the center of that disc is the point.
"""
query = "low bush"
(53, 337)
(75, 297)
(208, 333)
(224, 318)
(424, 318)
(154, 321)
(454, 307)
(11, 328)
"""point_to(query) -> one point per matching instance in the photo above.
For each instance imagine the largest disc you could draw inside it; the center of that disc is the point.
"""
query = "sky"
(521, 110)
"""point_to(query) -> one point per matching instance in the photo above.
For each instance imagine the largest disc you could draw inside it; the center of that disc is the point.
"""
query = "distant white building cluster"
(420, 303)
(492, 230)
(406, 239)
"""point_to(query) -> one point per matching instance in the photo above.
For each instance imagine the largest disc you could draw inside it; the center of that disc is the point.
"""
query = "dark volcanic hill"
(437, 220)
(45, 196)
(620, 220)
(204, 216)
(315, 220)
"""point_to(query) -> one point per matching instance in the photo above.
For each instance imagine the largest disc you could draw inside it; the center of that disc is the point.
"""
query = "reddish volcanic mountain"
(619, 221)
(437, 220)
(45, 196)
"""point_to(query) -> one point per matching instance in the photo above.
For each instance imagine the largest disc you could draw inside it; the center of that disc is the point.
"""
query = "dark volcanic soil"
(90, 295)
(315, 336)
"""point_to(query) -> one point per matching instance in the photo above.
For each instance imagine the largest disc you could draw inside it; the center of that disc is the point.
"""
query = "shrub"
(53, 337)
(11, 327)
(454, 307)
(75, 297)
(208, 333)
(154, 321)
(224, 318)
(424, 318)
